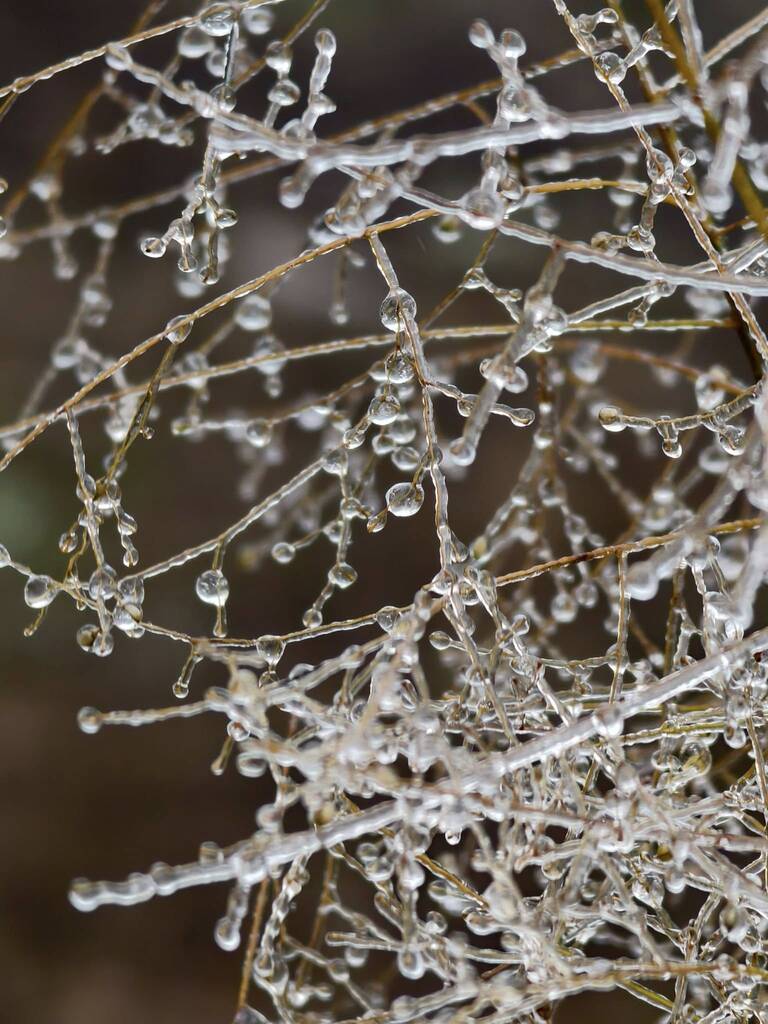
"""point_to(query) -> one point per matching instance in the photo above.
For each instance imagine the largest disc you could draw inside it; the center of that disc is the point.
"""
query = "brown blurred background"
(102, 806)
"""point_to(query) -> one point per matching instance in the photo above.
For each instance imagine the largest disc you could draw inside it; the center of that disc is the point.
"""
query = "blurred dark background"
(102, 806)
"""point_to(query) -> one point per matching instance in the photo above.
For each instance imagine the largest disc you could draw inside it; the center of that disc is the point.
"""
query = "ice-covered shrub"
(543, 772)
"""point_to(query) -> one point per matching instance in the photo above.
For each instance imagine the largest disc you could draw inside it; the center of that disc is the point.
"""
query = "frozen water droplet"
(283, 552)
(225, 99)
(405, 499)
(608, 721)
(447, 229)
(154, 247)
(254, 313)
(611, 419)
(383, 409)
(483, 209)
(259, 433)
(671, 447)
(89, 720)
(342, 575)
(411, 963)
(334, 462)
(376, 523)
(194, 42)
(513, 378)
(399, 368)
(39, 591)
(480, 34)
(395, 308)
(217, 20)
(338, 313)
(462, 451)
(131, 589)
(564, 607)
(257, 20)
(611, 67)
(387, 618)
(270, 648)
(93, 640)
(312, 618)
(212, 587)
(325, 41)
(279, 56)
(102, 586)
(588, 362)
(284, 93)
(227, 934)
(440, 640)
(626, 779)
(177, 329)
(127, 617)
(732, 439)
(84, 895)
(642, 582)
